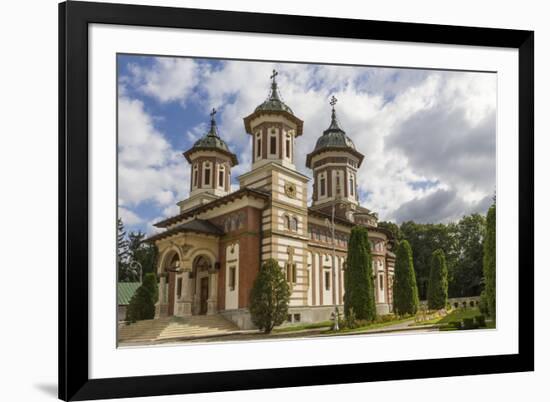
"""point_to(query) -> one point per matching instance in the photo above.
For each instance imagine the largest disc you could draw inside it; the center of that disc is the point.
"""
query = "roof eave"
(299, 123)
(316, 152)
(231, 155)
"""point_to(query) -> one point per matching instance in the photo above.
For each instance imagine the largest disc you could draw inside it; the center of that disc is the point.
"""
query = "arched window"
(287, 222)
(273, 142)
(207, 174)
(258, 145)
(322, 185)
(195, 176)
(351, 186)
(288, 141)
(221, 176)
(294, 226)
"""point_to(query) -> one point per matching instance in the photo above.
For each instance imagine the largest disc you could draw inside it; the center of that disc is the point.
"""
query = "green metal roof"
(334, 136)
(125, 291)
(334, 139)
(211, 141)
(273, 101)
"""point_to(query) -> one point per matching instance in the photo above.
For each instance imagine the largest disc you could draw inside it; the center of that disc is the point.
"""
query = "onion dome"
(211, 141)
(274, 105)
(334, 139)
(273, 101)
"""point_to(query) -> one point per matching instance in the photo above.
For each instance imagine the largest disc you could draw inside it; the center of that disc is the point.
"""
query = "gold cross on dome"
(275, 73)
(213, 112)
(333, 101)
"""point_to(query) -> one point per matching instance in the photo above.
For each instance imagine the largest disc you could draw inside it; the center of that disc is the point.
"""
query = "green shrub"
(349, 321)
(480, 320)
(269, 297)
(142, 303)
(385, 318)
(483, 306)
(468, 323)
(455, 324)
(489, 262)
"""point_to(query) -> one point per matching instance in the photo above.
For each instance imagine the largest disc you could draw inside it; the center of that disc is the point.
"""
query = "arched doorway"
(171, 269)
(202, 268)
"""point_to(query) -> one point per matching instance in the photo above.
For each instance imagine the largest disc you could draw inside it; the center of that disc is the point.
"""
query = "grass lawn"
(374, 325)
(301, 327)
(459, 314)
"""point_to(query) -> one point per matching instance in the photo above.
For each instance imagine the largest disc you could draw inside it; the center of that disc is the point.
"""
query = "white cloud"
(169, 79)
(128, 217)
(149, 168)
(412, 126)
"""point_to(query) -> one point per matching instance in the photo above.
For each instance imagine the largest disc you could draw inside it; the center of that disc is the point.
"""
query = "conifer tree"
(405, 292)
(358, 280)
(269, 297)
(438, 283)
(489, 261)
(142, 303)
(122, 251)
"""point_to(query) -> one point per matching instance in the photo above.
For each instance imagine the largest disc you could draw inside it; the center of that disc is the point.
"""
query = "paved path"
(215, 328)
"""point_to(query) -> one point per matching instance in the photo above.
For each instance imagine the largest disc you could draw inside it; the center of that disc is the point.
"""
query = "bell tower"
(210, 163)
(334, 162)
(273, 128)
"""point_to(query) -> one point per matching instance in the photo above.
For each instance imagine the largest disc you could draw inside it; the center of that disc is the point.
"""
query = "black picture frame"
(74, 18)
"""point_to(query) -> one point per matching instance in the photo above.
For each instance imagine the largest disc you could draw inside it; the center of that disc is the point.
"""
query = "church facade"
(211, 252)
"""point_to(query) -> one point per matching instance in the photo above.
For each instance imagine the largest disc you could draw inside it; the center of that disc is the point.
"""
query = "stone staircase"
(173, 328)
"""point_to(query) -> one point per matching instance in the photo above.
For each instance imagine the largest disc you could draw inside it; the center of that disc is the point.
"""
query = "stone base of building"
(240, 317)
(296, 315)
(383, 309)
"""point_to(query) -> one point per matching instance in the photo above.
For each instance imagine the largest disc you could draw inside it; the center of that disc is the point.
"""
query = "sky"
(428, 136)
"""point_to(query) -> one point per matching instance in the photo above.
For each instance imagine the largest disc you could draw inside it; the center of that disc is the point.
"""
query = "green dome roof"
(212, 141)
(273, 101)
(334, 139)
(334, 136)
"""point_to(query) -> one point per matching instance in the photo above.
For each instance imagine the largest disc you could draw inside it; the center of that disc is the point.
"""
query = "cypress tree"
(142, 303)
(405, 292)
(269, 297)
(489, 261)
(438, 284)
(358, 281)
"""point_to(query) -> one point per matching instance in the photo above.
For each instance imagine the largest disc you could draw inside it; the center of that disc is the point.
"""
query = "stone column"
(213, 294)
(186, 299)
(160, 303)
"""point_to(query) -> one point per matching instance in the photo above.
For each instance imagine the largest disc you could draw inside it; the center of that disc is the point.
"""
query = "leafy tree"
(423, 239)
(142, 303)
(392, 227)
(467, 273)
(358, 280)
(269, 297)
(122, 251)
(144, 253)
(405, 291)
(489, 261)
(438, 286)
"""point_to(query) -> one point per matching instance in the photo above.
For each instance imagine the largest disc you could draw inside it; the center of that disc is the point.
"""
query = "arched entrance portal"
(204, 286)
(171, 282)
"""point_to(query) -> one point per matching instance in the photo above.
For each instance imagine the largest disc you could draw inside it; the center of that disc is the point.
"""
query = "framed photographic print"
(258, 200)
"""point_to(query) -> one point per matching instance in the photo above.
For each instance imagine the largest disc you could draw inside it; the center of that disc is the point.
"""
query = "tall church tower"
(210, 162)
(335, 162)
(274, 129)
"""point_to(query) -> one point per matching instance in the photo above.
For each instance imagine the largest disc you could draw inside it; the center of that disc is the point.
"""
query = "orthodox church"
(211, 252)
